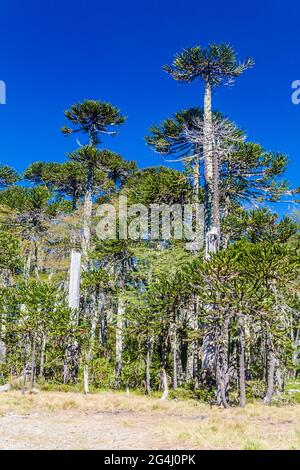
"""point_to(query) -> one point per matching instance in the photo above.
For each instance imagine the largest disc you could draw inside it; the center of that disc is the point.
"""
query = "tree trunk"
(71, 364)
(148, 362)
(86, 379)
(242, 371)
(42, 360)
(192, 357)
(210, 242)
(222, 366)
(119, 340)
(2, 337)
(196, 174)
(87, 214)
(24, 372)
(270, 375)
(164, 383)
(32, 372)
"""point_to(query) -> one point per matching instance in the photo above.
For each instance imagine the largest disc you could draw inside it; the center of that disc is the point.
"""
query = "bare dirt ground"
(116, 421)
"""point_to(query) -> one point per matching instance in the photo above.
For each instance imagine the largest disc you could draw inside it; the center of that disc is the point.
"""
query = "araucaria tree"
(92, 118)
(215, 65)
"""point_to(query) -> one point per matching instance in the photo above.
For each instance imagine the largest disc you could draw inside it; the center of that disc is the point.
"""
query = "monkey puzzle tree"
(215, 65)
(118, 169)
(91, 118)
(170, 140)
(8, 176)
(30, 217)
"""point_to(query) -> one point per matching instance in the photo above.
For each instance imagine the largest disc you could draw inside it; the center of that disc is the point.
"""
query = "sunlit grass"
(178, 424)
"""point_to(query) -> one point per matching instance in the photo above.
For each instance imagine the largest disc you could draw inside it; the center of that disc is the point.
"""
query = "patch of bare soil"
(76, 430)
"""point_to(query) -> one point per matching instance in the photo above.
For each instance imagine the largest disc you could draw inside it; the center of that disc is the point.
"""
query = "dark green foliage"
(158, 185)
(93, 117)
(8, 176)
(215, 64)
(251, 174)
(258, 225)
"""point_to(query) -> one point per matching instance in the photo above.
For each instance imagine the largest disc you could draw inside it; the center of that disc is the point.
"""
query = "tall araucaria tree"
(92, 118)
(216, 65)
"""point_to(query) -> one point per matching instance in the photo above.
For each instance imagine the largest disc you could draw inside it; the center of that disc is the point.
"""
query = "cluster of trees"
(220, 320)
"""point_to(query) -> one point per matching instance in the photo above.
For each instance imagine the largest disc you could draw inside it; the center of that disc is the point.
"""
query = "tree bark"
(32, 372)
(192, 356)
(87, 215)
(71, 364)
(119, 340)
(175, 358)
(222, 366)
(270, 375)
(165, 386)
(209, 229)
(148, 363)
(86, 379)
(42, 359)
(242, 371)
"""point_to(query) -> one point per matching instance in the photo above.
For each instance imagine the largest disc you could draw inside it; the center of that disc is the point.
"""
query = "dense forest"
(217, 320)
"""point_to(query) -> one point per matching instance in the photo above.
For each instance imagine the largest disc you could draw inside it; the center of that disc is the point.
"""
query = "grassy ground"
(57, 420)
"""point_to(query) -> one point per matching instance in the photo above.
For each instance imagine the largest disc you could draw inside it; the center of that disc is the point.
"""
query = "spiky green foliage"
(10, 252)
(8, 176)
(252, 174)
(158, 185)
(217, 64)
(258, 225)
(168, 138)
(93, 118)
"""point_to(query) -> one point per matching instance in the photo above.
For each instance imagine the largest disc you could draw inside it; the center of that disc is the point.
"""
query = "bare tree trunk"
(119, 340)
(174, 347)
(86, 379)
(2, 337)
(242, 371)
(165, 386)
(149, 343)
(27, 267)
(87, 215)
(196, 173)
(211, 217)
(24, 372)
(270, 376)
(222, 366)
(32, 372)
(42, 360)
(71, 364)
(192, 359)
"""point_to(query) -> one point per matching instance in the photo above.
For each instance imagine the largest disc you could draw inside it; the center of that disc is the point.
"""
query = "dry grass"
(133, 422)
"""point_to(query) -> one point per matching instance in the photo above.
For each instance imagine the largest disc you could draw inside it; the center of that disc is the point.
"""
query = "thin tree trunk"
(192, 356)
(71, 364)
(42, 360)
(165, 386)
(25, 366)
(175, 358)
(32, 372)
(148, 362)
(87, 215)
(210, 245)
(242, 371)
(270, 375)
(222, 367)
(119, 340)
(86, 379)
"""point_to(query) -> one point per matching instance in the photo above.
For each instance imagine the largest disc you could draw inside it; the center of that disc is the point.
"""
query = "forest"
(216, 320)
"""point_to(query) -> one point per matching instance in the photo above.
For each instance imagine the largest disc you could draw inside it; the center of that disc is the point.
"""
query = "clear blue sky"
(55, 53)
